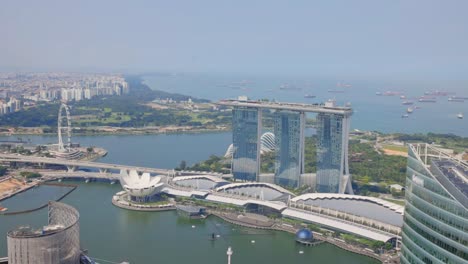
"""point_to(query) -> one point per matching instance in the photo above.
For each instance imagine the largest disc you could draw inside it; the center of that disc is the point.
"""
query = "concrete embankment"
(20, 190)
(72, 188)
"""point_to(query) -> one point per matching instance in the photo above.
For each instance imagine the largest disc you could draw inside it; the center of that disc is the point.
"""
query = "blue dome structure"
(304, 235)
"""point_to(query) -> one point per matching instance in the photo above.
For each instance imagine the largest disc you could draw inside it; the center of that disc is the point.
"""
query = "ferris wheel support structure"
(61, 129)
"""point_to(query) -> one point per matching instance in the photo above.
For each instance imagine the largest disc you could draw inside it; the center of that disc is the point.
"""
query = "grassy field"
(395, 201)
(114, 117)
(396, 148)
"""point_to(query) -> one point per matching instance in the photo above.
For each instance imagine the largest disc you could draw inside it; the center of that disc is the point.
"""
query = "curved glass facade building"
(435, 228)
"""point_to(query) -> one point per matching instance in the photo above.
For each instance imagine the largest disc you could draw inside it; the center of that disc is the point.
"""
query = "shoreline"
(276, 227)
(229, 217)
(130, 131)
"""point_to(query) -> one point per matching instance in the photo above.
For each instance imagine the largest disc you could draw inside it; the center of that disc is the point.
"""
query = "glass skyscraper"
(289, 141)
(246, 128)
(331, 152)
(435, 228)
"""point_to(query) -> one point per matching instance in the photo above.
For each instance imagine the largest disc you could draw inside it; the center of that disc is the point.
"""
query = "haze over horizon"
(353, 39)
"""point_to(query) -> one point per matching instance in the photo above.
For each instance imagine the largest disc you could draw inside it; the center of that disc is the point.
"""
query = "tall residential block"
(246, 129)
(289, 141)
(332, 153)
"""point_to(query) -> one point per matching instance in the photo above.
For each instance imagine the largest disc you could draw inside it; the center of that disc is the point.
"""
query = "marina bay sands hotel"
(333, 124)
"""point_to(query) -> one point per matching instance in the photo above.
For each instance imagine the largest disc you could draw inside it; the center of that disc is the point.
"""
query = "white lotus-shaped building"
(140, 186)
(267, 144)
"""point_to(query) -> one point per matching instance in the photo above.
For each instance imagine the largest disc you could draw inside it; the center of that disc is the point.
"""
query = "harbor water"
(117, 235)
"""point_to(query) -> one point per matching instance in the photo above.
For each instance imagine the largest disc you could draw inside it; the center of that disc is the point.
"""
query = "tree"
(183, 165)
(388, 246)
(28, 174)
(3, 170)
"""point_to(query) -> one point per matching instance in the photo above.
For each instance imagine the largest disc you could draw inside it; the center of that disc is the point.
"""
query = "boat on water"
(336, 91)
(427, 100)
(409, 110)
(460, 97)
(437, 93)
(407, 103)
(456, 99)
(289, 87)
(405, 116)
(402, 97)
(460, 115)
(391, 93)
(378, 93)
(309, 96)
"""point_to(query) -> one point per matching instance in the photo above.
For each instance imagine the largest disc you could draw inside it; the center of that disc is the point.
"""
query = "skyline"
(362, 39)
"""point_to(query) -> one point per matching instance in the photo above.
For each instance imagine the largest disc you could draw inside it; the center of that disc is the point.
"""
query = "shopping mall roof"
(207, 177)
(337, 196)
(254, 184)
(338, 225)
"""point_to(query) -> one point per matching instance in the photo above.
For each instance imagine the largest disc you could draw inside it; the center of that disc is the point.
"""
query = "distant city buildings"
(289, 124)
(9, 106)
(18, 89)
(435, 228)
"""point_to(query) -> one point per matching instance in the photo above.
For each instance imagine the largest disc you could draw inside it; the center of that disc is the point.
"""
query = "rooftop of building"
(364, 206)
(30, 232)
(191, 209)
(456, 175)
(300, 107)
(449, 171)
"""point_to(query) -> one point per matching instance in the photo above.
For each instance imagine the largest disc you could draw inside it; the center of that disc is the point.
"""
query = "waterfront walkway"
(261, 222)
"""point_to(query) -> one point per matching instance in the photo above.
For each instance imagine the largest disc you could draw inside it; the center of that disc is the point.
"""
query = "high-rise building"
(435, 228)
(289, 141)
(246, 129)
(332, 143)
(332, 154)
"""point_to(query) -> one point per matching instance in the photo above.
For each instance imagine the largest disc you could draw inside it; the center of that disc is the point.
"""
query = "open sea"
(371, 112)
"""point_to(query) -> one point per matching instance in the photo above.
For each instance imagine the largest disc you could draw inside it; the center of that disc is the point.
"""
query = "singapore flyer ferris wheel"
(64, 127)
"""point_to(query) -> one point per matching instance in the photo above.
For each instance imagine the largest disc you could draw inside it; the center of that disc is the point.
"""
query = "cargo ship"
(336, 91)
(437, 93)
(456, 99)
(427, 100)
(407, 103)
(309, 96)
(288, 87)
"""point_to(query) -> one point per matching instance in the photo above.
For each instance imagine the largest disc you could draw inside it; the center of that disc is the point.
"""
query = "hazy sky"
(327, 37)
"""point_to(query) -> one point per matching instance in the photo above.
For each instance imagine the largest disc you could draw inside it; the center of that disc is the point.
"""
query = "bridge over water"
(73, 165)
